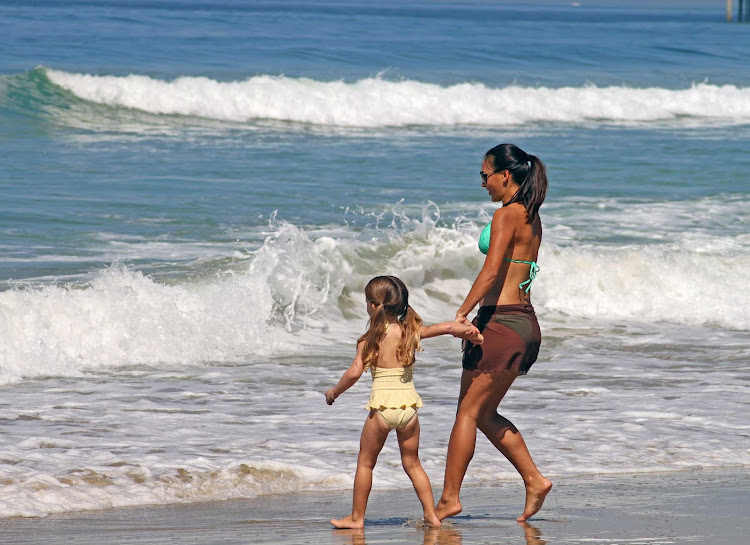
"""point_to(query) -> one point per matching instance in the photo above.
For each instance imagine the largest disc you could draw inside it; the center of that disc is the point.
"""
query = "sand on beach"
(705, 506)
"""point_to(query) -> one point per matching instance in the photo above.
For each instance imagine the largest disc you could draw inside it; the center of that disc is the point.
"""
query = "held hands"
(471, 333)
(475, 338)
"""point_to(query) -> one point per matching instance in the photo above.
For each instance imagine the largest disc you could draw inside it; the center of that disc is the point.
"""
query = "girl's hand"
(330, 396)
(461, 318)
(475, 337)
(465, 331)
(472, 333)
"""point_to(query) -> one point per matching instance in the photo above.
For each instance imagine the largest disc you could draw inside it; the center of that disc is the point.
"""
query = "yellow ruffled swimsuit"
(393, 395)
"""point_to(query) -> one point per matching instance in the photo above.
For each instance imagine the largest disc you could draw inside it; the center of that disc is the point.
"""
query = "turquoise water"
(194, 195)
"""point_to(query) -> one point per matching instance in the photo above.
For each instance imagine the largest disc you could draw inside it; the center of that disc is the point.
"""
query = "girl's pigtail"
(373, 336)
(410, 324)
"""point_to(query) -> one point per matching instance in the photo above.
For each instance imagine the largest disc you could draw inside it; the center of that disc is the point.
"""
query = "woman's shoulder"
(513, 214)
(509, 214)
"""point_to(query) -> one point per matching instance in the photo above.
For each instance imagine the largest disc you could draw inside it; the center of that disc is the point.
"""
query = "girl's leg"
(408, 442)
(476, 389)
(508, 440)
(371, 443)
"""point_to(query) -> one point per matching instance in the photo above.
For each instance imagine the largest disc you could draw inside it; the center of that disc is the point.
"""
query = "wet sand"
(705, 506)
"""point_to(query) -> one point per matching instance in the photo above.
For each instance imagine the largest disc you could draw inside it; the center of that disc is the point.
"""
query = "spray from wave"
(298, 291)
(376, 102)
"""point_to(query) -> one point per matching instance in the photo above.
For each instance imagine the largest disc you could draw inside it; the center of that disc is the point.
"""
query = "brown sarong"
(511, 339)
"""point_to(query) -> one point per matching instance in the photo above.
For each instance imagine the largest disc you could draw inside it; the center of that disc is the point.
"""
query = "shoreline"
(697, 506)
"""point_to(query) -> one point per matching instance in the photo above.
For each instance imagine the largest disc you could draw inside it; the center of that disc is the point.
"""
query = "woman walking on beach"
(507, 321)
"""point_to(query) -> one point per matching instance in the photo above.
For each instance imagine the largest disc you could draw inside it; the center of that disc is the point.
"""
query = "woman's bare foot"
(445, 509)
(535, 494)
(432, 521)
(348, 522)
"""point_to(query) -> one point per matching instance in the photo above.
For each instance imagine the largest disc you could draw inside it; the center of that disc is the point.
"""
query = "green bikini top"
(484, 247)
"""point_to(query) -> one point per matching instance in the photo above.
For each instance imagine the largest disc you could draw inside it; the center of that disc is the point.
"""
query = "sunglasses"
(485, 176)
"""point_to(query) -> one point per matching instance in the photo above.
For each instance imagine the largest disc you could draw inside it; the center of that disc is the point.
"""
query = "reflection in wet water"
(350, 536)
(447, 535)
(532, 533)
(442, 536)
(430, 536)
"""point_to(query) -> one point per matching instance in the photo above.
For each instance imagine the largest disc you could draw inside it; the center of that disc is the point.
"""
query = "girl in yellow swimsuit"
(388, 349)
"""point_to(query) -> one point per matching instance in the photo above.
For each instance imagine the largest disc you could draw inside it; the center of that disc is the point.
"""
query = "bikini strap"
(533, 269)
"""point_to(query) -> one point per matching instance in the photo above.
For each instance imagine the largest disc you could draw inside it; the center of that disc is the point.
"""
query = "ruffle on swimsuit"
(393, 388)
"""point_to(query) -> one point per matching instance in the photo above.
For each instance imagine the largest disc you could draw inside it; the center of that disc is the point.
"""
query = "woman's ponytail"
(534, 186)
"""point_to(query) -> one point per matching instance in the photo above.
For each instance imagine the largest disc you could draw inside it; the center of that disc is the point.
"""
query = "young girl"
(388, 348)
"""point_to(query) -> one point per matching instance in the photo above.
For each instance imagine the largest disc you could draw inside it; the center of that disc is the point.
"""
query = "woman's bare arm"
(501, 235)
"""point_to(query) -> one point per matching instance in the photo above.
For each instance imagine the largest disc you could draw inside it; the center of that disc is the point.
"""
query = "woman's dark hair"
(528, 172)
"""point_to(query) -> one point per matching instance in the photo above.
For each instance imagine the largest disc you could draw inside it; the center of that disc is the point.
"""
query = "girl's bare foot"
(348, 522)
(535, 494)
(445, 509)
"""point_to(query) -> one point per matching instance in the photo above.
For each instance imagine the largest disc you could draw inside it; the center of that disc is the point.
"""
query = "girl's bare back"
(387, 356)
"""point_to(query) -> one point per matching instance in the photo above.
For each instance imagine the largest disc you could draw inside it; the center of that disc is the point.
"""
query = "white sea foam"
(715, 225)
(124, 317)
(296, 288)
(137, 484)
(376, 102)
(648, 284)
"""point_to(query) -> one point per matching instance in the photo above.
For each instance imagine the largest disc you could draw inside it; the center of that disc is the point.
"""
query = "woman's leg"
(408, 443)
(481, 393)
(371, 443)
(476, 389)
(508, 440)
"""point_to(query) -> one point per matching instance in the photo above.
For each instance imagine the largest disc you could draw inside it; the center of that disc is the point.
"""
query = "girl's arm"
(349, 378)
(457, 329)
(501, 234)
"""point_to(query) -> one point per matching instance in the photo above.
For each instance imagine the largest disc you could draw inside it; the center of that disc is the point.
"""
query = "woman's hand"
(330, 396)
(461, 318)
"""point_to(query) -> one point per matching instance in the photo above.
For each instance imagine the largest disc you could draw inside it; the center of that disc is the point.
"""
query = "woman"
(507, 321)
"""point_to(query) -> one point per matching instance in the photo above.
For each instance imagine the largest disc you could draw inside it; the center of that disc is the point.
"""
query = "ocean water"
(193, 195)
